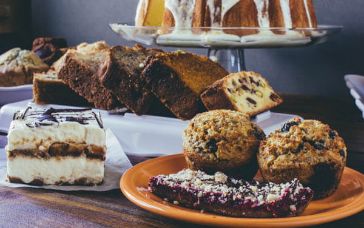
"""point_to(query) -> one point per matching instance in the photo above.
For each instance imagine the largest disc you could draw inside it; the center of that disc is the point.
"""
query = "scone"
(18, 66)
(247, 92)
(222, 140)
(308, 150)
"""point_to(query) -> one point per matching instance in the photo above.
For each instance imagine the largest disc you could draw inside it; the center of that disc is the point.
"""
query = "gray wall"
(314, 70)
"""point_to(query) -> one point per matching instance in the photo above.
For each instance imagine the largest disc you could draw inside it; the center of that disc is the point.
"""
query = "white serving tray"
(146, 135)
(15, 93)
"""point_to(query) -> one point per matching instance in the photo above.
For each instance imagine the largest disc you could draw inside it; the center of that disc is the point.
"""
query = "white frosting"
(214, 13)
(286, 11)
(23, 137)
(53, 170)
(182, 11)
(226, 6)
(263, 13)
(308, 14)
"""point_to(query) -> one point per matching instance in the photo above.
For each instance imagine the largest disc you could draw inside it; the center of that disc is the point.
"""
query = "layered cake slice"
(231, 197)
(177, 79)
(247, 92)
(49, 89)
(56, 147)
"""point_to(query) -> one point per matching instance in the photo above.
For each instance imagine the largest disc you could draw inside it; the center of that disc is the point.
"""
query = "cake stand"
(222, 44)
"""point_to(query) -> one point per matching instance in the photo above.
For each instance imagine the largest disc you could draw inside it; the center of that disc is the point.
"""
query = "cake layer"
(55, 171)
(62, 150)
(38, 129)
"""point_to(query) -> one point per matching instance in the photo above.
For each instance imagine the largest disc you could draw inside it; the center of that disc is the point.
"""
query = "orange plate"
(348, 199)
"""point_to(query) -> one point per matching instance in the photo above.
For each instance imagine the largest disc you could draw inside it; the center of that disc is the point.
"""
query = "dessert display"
(49, 49)
(223, 195)
(247, 92)
(177, 79)
(223, 140)
(49, 89)
(307, 150)
(123, 77)
(56, 147)
(18, 66)
(81, 71)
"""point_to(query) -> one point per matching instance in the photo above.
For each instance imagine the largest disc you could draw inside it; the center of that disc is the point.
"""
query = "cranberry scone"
(247, 92)
(56, 147)
(232, 197)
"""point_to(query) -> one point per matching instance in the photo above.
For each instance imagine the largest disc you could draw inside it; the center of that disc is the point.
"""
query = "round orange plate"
(347, 200)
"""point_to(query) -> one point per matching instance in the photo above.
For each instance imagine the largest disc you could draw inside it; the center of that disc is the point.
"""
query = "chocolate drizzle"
(52, 116)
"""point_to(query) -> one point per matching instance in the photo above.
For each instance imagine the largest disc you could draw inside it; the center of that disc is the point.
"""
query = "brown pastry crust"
(39, 182)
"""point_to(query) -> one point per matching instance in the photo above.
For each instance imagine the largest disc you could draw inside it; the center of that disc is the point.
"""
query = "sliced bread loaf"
(247, 92)
(179, 78)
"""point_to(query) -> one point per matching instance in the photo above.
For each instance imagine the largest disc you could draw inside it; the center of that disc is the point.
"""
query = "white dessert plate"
(146, 136)
(15, 93)
(356, 85)
(222, 37)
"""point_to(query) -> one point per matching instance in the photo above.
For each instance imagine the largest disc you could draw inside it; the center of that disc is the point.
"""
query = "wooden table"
(30, 207)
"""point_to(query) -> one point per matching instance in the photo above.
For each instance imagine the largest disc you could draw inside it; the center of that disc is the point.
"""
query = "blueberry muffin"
(308, 150)
(223, 140)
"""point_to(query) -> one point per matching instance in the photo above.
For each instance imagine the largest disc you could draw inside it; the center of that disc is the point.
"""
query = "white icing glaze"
(182, 11)
(263, 14)
(215, 11)
(308, 14)
(286, 11)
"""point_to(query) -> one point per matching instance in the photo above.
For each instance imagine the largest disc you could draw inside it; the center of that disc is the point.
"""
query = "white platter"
(15, 93)
(146, 136)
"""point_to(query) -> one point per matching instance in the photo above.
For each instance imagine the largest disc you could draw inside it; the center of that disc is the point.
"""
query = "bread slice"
(247, 92)
(179, 78)
(48, 89)
(123, 77)
(82, 71)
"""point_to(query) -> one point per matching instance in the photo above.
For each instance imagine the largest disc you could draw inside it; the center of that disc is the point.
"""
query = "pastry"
(222, 140)
(308, 150)
(17, 67)
(123, 77)
(227, 13)
(177, 79)
(48, 89)
(82, 70)
(222, 195)
(49, 49)
(56, 147)
(247, 92)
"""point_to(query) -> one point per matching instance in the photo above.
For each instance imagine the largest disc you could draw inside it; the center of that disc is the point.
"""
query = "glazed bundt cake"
(228, 13)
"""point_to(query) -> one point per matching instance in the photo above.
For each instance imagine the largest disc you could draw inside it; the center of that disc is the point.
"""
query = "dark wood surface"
(45, 208)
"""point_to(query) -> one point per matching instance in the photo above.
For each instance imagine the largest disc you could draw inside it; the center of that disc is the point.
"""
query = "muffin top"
(222, 134)
(302, 143)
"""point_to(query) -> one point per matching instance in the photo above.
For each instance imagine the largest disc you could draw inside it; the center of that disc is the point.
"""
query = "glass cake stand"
(226, 45)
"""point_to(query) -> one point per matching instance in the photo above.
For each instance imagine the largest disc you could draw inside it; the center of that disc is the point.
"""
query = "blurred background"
(317, 70)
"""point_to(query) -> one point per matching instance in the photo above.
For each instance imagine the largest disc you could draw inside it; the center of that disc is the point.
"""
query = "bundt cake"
(228, 13)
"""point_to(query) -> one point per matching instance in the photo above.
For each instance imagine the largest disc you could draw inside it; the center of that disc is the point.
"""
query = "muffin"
(223, 140)
(308, 150)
